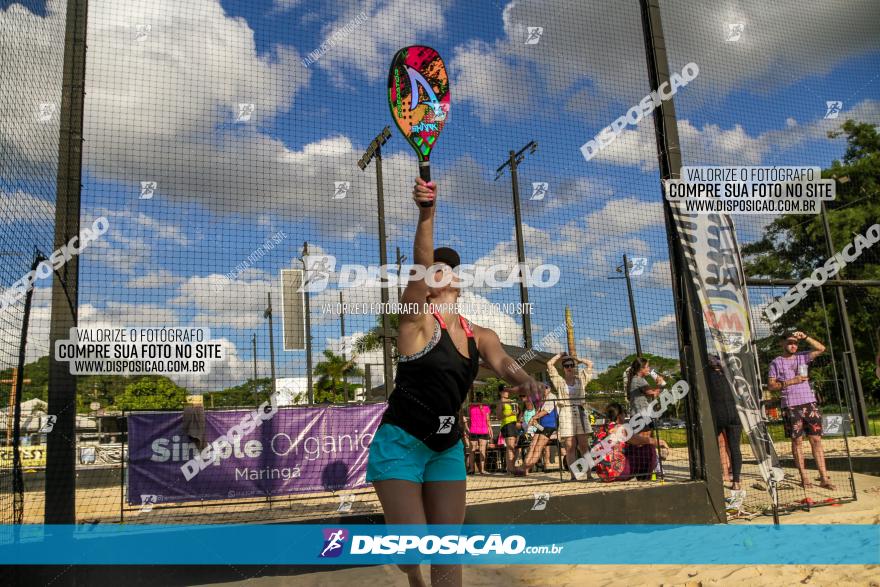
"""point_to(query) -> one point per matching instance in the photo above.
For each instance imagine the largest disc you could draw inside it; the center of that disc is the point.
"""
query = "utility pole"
(13, 398)
(60, 495)
(256, 400)
(342, 334)
(374, 152)
(368, 381)
(625, 269)
(18, 385)
(400, 260)
(268, 314)
(860, 413)
(513, 161)
(310, 393)
(627, 266)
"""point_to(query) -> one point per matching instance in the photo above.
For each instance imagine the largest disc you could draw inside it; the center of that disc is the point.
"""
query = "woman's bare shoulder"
(415, 333)
(481, 332)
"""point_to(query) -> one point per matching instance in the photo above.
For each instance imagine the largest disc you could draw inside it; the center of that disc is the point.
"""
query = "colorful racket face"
(418, 94)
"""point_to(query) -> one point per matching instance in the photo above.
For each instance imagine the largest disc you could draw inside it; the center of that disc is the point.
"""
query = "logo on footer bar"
(334, 538)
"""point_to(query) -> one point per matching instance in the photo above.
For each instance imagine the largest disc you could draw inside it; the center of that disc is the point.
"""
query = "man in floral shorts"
(789, 374)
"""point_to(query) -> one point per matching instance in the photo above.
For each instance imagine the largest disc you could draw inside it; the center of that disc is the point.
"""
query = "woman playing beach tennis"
(416, 458)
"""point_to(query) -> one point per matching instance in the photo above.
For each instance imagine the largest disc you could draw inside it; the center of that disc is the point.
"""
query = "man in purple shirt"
(800, 411)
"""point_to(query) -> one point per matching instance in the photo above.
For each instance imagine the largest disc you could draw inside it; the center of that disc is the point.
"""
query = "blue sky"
(161, 106)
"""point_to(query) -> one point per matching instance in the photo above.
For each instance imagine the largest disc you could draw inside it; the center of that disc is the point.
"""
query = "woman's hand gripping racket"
(418, 95)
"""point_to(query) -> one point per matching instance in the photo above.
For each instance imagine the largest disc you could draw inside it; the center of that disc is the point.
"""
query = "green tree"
(794, 245)
(157, 393)
(89, 388)
(249, 393)
(331, 373)
(372, 340)
(37, 372)
(611, 379)
(326, 393)
(490, 390)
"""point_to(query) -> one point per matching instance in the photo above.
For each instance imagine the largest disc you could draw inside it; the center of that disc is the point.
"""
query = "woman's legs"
(484, 445)
(444, 503)
(725, 454)
(539, 441)
(472, 457)
(510, 452)
(570, 445)
(733, 434)
(402, 503)
(583, 445)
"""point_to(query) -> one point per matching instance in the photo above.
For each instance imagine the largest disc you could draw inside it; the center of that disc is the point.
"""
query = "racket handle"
(425, 174)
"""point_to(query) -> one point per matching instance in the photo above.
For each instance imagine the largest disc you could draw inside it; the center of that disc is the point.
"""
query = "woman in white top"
(574, 422)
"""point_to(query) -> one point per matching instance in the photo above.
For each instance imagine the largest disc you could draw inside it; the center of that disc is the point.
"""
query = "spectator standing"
(789, 374)
(574, 424)
(727, 425)
(508, 411)
(480, 431)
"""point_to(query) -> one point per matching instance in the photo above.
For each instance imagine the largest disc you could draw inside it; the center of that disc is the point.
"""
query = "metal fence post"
(60, 497)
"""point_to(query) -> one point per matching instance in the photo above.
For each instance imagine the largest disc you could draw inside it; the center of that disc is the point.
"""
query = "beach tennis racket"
(418, 95)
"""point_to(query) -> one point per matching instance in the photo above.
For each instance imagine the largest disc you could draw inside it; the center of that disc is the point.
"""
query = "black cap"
(448, 256)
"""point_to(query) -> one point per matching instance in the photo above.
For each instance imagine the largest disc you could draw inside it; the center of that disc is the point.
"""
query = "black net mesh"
(32, 41)
(220, 150)
(774, 85)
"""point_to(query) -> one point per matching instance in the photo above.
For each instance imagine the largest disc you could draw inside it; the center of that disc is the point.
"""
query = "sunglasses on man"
(568, 365)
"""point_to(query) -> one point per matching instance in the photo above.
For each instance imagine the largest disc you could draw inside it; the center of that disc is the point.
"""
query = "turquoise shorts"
(396, 454)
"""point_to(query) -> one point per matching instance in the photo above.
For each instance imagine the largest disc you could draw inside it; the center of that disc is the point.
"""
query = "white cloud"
(482, 73)
(285, 5)
(155, 279)
(20, 206)
(588, 236)
(223, 303)
(779, 48)
(604, 352)
(508, 329)
(232, 370)
(111, 314)
(658, 338)
(574, 191)
(713, 145)
(537, 243)
(31, 69)
(38, 329)
(134, 244)
(126, 314)
(366, 50)
(659, 276)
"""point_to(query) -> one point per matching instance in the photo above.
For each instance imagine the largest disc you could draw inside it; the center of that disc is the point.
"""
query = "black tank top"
(431, 387)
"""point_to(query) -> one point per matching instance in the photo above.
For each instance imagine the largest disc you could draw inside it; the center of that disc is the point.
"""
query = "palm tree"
(334, 369)
(372, 340)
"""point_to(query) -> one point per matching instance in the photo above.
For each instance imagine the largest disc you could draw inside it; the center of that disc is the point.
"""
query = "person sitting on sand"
(546, 420)
(635, 458)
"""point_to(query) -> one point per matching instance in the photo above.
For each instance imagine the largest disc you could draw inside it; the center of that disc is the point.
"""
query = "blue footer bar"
(468, 544)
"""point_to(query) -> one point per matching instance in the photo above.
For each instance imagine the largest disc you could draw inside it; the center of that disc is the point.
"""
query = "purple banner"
(298, 450)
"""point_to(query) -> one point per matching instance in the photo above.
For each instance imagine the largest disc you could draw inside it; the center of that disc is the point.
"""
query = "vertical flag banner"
(713, 257)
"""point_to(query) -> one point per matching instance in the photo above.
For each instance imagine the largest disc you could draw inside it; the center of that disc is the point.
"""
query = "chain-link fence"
(220, 147)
